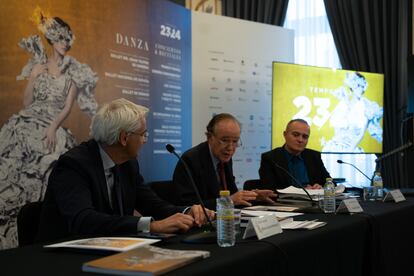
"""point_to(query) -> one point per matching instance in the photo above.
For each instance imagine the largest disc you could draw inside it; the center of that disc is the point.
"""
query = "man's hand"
(177, 222)
(243, 197)
(313, 187)
(197, 213)
(265, 195)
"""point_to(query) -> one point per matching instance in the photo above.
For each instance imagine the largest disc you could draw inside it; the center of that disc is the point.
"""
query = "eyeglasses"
(144, 134)
(229, 142)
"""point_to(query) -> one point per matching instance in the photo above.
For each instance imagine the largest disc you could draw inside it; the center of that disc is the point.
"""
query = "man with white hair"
(211, 166)
(95, 187)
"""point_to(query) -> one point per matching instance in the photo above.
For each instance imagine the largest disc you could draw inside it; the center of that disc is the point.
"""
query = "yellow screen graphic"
(343, 108)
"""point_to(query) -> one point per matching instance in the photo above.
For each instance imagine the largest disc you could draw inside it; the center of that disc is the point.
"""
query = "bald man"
(304, 164)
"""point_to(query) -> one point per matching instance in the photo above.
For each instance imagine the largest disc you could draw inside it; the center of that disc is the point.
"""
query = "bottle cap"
(328, 179)
(224, 193)
(377, 173)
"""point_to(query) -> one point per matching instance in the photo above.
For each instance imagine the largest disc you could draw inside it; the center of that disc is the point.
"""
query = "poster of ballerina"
(58, 61)
(344, 108)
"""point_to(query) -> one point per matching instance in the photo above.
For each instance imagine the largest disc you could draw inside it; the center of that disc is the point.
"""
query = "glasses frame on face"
(227, 143)
(144, 134)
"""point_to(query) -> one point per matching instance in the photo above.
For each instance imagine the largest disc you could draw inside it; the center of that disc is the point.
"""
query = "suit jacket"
(77, 203)
(204, 174)
(274, 178)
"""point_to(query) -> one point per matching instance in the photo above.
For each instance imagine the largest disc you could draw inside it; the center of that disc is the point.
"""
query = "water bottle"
(329, 204)
(377, 183)
(225, 220)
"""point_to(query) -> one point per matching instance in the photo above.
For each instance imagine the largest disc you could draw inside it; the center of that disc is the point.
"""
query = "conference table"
(375, 242)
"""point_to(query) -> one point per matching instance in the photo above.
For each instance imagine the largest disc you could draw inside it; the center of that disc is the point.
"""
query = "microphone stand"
(206, 237)
(355, 167)
(394, 151)
(358, 189)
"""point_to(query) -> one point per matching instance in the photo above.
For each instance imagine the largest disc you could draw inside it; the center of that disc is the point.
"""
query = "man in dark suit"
(95, 187)
(210, 164)
(304, 164)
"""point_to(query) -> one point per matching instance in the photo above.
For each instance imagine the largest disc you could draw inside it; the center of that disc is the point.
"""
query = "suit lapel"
(283, 162)
(210, 177)
(100, 173)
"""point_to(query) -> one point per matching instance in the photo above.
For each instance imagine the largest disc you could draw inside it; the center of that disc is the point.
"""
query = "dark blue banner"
(169, 121)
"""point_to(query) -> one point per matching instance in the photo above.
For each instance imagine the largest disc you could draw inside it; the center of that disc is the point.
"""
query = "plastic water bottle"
(329, 203)
(377, 183)
(225, 220)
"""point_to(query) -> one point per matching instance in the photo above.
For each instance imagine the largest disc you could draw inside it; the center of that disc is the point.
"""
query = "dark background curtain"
(371, 36)
(271, 12)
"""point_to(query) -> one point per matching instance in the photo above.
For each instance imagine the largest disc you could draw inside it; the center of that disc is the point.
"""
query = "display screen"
(343, 108)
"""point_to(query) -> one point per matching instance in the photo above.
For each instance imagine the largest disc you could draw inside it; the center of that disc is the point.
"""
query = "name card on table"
(262, 227)
(350, 205)
(395, 195)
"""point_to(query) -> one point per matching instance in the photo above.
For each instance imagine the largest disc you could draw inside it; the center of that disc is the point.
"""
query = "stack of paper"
(299, 193)
(246, 215)
(272, 208)
(290, 224)
(313, 192)
(105, 243)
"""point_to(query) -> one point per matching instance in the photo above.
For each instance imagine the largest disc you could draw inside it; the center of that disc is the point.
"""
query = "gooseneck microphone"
(342, 162)
(204, 237)
(295, 180)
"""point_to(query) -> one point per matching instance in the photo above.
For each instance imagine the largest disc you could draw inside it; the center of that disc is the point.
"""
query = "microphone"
(342, 162)
(399, 149)
(203, 237)
(295, 180)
